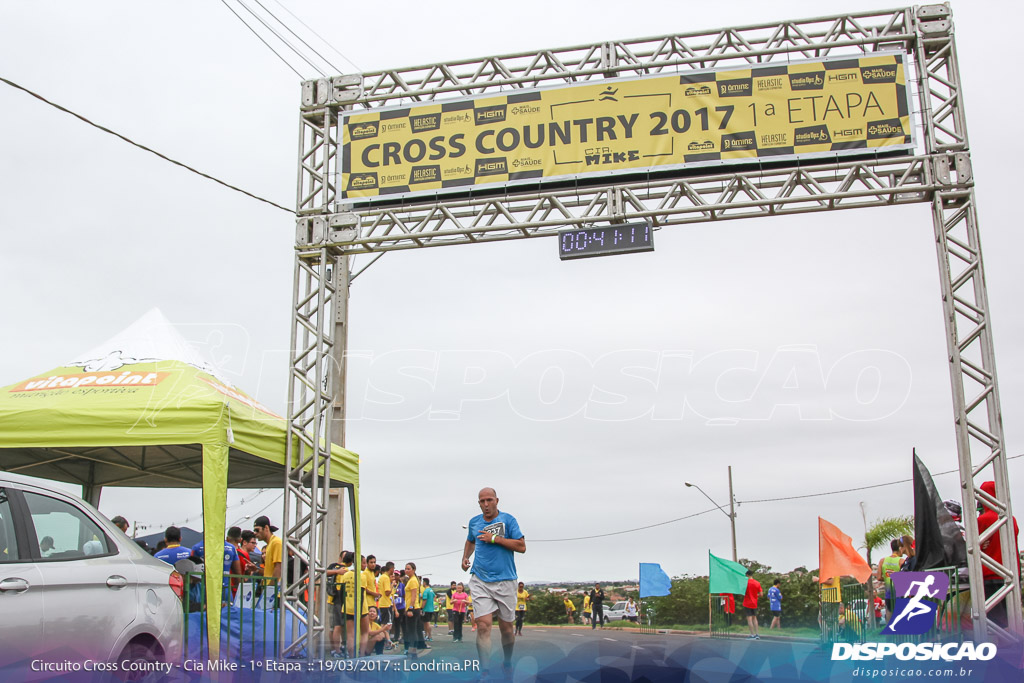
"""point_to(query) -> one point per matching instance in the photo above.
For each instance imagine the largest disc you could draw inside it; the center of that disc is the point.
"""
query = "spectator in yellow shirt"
(413, 628)
(378, 635)
(384, 586)
(272, 554)
(570, 608)
(334, 574)
(348, 583)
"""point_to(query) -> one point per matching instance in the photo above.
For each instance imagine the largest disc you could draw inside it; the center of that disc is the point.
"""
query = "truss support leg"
(981, 448)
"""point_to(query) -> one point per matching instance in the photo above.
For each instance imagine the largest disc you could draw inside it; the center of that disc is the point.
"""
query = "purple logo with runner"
(917, 598)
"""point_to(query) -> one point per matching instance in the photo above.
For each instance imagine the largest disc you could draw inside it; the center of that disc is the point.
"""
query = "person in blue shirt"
(494, 537)
(775, 604)
(232, 564)
(173, 551)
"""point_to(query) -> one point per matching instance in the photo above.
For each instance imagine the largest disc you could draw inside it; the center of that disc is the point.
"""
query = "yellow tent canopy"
(143, 410)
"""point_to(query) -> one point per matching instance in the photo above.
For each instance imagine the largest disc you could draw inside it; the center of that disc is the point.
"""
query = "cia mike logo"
(918, 595)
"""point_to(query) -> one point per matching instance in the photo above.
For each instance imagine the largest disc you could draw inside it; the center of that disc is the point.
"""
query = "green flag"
(726, 576)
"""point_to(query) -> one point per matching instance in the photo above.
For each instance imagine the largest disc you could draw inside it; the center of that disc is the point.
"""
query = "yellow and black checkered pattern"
(779, 112)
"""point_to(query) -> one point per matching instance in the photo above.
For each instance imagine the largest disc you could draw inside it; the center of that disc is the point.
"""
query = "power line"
(625, 531)
(241, 501)
(428, 557)
(255, 33)
(583, 538)
(142, 147)
(859, 488)
(697, 514)
(274, 500)
(328, 44)
(288, 28)
(280, 37)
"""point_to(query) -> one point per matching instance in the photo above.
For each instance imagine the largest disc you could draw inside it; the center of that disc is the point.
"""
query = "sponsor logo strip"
(141, 378)
(786, 112)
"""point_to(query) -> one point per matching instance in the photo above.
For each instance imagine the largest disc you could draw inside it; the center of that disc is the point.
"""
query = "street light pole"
(732, 509)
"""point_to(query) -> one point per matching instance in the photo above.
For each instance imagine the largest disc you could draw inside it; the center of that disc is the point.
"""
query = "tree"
(884, 530)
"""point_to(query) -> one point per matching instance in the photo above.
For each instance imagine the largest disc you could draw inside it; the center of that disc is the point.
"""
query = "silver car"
(76, 592)
(616, 612)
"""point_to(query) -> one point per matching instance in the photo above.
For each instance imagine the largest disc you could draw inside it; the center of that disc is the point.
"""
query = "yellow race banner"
(630, 126)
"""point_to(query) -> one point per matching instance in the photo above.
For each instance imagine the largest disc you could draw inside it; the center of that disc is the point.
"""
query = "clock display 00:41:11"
(605, 240)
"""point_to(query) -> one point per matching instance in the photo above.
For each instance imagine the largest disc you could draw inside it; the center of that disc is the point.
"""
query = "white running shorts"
(499, 597)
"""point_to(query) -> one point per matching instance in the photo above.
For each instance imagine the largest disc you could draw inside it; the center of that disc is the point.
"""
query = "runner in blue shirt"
(174, 551)
(775, 604)
(494, 536)
(232, 564)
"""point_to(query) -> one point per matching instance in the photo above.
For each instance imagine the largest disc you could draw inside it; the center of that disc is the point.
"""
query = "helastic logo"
(425, 122)
(917, 599)
(425, 174)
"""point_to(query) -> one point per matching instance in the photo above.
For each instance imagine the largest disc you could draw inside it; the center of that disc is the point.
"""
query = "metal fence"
(646, 618)
(849, 614)
(723, 623)
(249, 618)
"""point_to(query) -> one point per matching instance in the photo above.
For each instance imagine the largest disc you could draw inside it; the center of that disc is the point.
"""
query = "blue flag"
(653, 581)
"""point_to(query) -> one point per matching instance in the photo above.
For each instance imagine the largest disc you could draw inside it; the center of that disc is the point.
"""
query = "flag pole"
(732, 515)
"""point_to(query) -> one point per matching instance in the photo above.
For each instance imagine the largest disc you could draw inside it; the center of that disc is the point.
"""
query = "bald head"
(488, 500)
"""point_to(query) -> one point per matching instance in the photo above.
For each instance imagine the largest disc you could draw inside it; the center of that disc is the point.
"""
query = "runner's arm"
(467, 553)
(516, 545)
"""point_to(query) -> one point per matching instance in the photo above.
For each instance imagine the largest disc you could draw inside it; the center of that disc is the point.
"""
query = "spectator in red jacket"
(993, 548)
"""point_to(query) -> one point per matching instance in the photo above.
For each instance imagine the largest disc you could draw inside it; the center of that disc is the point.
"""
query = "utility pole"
(732, 516)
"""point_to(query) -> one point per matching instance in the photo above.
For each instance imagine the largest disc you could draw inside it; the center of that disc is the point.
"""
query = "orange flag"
(837, 556)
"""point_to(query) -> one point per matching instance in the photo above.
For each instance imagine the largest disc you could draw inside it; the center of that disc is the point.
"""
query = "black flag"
(938, 539)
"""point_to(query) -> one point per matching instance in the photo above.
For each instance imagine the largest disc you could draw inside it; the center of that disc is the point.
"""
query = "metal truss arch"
(330, 231)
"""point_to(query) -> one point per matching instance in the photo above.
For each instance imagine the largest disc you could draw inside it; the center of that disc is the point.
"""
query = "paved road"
(567, 653)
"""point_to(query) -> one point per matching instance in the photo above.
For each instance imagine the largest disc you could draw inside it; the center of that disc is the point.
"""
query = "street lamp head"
(688, 483)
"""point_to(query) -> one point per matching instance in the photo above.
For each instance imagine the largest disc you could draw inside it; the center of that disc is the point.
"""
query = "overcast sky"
(809, 350)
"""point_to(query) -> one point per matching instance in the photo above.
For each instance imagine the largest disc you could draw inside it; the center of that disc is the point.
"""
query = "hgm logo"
(493, 114)
(491, 166)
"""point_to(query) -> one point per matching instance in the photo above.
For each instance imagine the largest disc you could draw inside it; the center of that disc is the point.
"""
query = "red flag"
(837, 556)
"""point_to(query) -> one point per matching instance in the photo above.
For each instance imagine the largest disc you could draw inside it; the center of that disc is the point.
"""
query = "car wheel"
(135, 663)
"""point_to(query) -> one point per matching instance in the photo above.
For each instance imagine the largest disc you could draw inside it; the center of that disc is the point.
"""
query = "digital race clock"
(605, 241)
